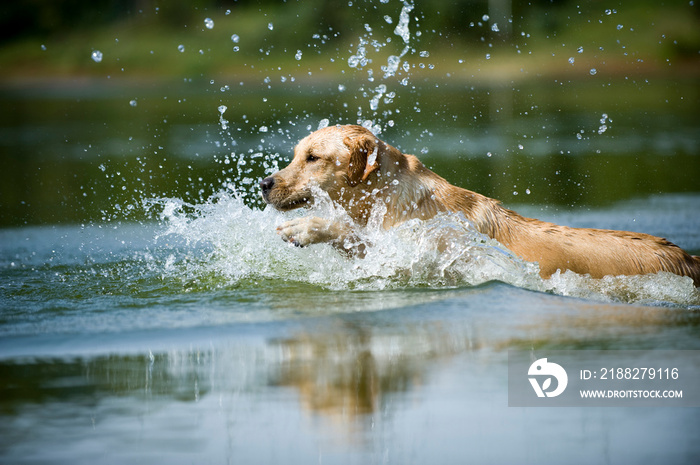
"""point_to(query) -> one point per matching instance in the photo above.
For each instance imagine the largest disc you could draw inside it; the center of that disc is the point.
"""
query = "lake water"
(203, 337)
(150, 313)
(118, 346)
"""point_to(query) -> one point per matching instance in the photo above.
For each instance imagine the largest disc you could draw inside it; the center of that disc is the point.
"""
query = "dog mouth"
(289, 203)
(278, 193)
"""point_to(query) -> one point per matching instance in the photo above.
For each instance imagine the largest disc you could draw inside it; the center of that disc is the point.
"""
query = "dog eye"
(311, 158)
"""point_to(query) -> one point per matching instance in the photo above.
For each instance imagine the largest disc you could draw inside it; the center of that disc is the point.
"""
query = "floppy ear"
(363, 157)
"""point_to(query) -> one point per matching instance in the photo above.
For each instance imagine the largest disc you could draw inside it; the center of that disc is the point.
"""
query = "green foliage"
(141, 37)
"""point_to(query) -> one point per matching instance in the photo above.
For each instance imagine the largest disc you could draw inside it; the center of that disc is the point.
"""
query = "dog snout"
(266, 186)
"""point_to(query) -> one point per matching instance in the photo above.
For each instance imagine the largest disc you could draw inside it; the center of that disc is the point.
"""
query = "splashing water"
(603, 126)
(445, 251)
(222, 120)
(396, 67)
(379, 92)
(402, 27)
(359, 59)
(403, 256)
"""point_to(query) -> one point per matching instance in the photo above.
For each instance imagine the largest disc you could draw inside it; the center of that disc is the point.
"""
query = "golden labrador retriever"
(357, 171)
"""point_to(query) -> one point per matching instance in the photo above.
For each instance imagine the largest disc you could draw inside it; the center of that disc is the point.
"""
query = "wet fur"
(357, 170)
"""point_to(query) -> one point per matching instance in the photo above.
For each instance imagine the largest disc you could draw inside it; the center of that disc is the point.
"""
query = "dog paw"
(306, 231)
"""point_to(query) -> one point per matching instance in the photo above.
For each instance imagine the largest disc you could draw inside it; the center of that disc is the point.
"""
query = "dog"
(357, 170)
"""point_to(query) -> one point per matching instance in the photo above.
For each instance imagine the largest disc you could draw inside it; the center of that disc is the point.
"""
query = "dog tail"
(695, 270)
(683, 264)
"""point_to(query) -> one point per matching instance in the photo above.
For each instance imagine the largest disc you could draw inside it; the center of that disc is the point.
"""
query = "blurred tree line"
(70, 29)
(48, 17)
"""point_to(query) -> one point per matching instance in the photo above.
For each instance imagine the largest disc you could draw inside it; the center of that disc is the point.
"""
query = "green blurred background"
(556, 103)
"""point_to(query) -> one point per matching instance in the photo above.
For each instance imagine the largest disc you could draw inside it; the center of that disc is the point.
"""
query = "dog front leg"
(314, 230)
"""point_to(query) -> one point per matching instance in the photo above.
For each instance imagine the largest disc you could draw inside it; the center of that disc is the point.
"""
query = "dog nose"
(266, 185)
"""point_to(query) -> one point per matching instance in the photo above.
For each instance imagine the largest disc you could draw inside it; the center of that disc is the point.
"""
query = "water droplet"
(571, 60)
(593, 71)
(485, 17)
(298, 55)
(402, 28)
(270, 26)
(323, 123)
(494, 27)
(181, 48)
(619, 26)
(424, 54)
(235, 38)
(263, 129)
(133, 103)
(579, 50)
(608, 12)
(388, 19)
(97, 56)
(222, 109)
(209, 23)
(488, 56)
(43, 47)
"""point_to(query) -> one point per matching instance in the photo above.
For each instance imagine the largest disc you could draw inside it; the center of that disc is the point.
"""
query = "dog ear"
(363, 157)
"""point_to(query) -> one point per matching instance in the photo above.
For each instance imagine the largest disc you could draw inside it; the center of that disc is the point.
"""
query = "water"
(186, 338)
(149, 311)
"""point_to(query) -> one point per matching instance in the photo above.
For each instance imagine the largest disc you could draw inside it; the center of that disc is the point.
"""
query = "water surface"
(184, 340)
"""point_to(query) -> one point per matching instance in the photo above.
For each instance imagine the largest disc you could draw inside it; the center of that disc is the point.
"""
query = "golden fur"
(357, 170)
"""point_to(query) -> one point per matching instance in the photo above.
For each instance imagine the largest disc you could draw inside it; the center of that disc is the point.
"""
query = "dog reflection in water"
(350, 373)
(358, 171)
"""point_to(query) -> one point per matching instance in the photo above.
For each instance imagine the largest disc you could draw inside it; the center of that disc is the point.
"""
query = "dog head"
(339, 160)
